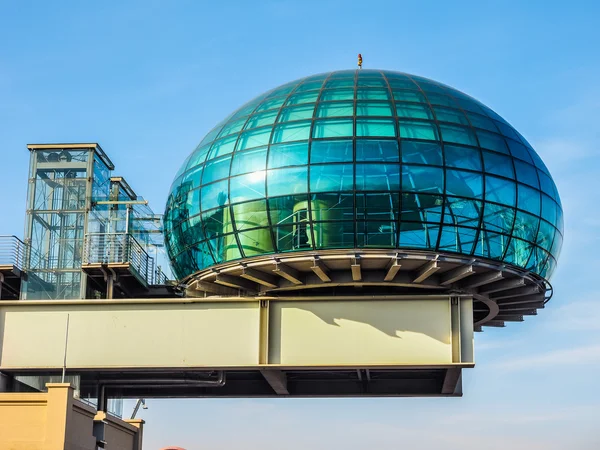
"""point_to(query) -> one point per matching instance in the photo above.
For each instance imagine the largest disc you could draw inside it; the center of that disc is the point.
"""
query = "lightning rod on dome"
(359, 61)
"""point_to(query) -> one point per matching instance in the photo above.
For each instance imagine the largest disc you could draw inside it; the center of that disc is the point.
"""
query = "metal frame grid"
(458, 178)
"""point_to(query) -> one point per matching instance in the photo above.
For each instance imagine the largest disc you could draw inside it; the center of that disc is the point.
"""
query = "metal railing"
(12, 251)
(122, 248)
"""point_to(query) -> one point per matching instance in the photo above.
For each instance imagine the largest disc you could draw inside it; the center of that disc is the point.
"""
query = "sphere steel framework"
(360, 160)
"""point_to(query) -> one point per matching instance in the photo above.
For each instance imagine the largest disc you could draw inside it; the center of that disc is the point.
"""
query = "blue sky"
(148, 79)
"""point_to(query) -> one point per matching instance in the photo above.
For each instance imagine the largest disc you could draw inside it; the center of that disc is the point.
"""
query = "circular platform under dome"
(355, 162)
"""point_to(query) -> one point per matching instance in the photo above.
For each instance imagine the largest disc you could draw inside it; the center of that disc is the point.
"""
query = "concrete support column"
(58, 415)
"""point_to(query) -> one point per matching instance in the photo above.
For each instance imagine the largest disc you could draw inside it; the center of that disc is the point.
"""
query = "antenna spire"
(359, 61)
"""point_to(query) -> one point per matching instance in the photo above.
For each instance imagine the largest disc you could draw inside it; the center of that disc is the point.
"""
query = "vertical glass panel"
(491, 245)
(518, 150)
(526, 173)
(309, 86)
(198, 157)
(331, 177)
(232, 127)
(332, 206)
(334, 234)
(464, 184)
(333, 128)
(413, 111)
(215, 194)
(375, 127)
(343, 83)
(296, 113)
(462, 157)
(247, 187)
(463, 212)
(216, 169)
(373, 109)
(249, 161)
(378, 206)
(549, 209)
(498, 164)
(250, 215)
(330, 151)
(418, 235)
(421, 152)
(288, 155)
(379, 234)
(418, 130)
(192, 178)
(272, 103)
(457, 239)
(377, 150)
(375, 177)
(337, 109)
(498, 218)
(296, 131)
(287, 181)
(256, 242)
(371, 82)
(422, 179)
(526, 226)
(518, 252)
(482, 122)
(421, 208)
(545, 235)
(282, 209)
(443, 100)
(458, 135)
(507, 130)
(547, 185)
(528, 199)
(500, 191)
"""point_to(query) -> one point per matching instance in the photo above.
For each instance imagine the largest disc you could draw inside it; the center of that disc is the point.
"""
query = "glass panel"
(222, 147)
(282, 208)
(444, 100)
(338, 206)
(335, 109)
(371, 82)
(380, 234)
(215, 194)
(421, 208)
(498, 218)
(247, 187)
(422, 179)
(462, 157)
(418, 130)
(500, 190)
(375, 177)
(528, 199)
(256, 242)
(414, 111)
(372, 94)
(304, 97)
(259, 120)
(457, 239)
(549, 209)
(377, 150)
(273, 103)
(464, 184)
(296, 113)
(232, 127)
(409, 96)
(518, 150)
(381, 207)
(450, 115)
(526, 226)
(250, 215)
(458, 135)
(256, 137)
(526, 173)
(331, 177)
(216, 169)
(330, 151)
(296, 131)
(343, 83)
(545, 235)
(518, 252)
(287, 181)
(288, 155)
(421, 152)
(373, 109)
(310, 86)
(463, 211)
(492, 141)
(375, 127)
(337, 94)
(249, 161)
(333, 128)
(418, 235)
(482, 122)
(498, 164)
(334, 234)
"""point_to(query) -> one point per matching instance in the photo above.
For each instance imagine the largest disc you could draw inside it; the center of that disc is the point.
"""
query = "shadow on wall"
(428, 317)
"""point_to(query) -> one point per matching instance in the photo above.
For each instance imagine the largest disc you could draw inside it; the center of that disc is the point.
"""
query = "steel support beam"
(454, 275)
(277, 380)
(320, 270)
(482, 279)
(425, 271)
(503, 285)
(392, 269)
(290, 274)
(452, 381)
(259, 277)
(356, 273)
(235, 282)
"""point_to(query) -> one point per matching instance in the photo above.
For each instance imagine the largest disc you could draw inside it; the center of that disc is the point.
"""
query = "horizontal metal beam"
(452, 381)
(522, 299)
(454, 275)
(482, 279)
(235, 282)
(519, 292)
(290, 274)
(259, 277)
(392, 269)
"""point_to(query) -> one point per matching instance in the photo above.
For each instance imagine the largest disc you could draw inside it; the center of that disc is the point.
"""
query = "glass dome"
(360, 159)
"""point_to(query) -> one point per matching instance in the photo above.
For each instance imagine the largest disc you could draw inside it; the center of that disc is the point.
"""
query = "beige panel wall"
(360, 332)
(56, 421)
(155, 335)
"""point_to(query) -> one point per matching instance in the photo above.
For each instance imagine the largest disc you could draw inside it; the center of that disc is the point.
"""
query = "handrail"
(12, 251)
(107, 248)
